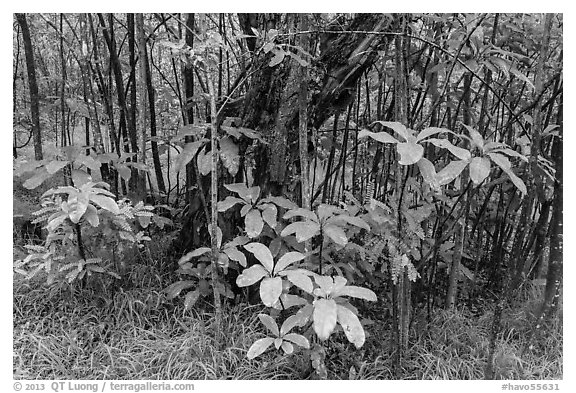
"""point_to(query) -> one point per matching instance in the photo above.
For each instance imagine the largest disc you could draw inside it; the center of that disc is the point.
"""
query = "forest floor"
(136, 334)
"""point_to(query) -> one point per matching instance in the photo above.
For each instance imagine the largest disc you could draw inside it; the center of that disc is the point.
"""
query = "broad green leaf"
(80, 177)
(105, 203)
(510, 152)
(304, 230)
(297, 339)
(286, 301)
(304, 314)
(504, 163)
(254, 193)
(259, 347)
(351, 325)
(39, 177)
(287, 259)
(262, 253)
(29, 166)
(476, 137)
(71, 191)
(326, 284)
(283, 202)
(269, 214)
(382, 137)
(410, 153)
(287, 347)
(324, 315)
(174, 289)
(88, 162)
(124, 172)
(270, 290)
(514, 71)
(270, 323)
(54, 166)
(278, 57)
(336, 234)
(494, 145)
(91, 216)
(144, 221)
(238, 241)
(459, 152)
(325, 211)
(300, 280)
(229, 155)
(239, 188)
(78, 206)
(253, 222)
(301, 212)
(357, 292)
(339, 283)
(428, 173)
(451, 171)
(245, 209)
(288, 325)
(399, 128)
(356, 221)
(278, 342)
(479, 169)
(427, 132)
(192, 254)
(235, 255)
(204, 162)
(251, 275)
(191, 299)
(102, 191)
(228, 203)
(275, 246)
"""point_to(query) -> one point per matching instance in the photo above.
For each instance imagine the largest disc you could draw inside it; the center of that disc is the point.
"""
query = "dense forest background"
(238, 190)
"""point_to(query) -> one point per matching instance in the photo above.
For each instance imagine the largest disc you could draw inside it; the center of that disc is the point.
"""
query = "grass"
(135, 333)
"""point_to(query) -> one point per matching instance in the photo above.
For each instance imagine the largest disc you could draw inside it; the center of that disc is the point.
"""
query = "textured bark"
(271, 104)
(32, 85)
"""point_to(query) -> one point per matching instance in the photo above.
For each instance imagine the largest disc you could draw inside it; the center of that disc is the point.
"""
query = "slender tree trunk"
(32, 85)
(454, 277)
(142, 101)
(402, 290)
(214, 199)
(303, 126)
(189, 106)
(152, 109)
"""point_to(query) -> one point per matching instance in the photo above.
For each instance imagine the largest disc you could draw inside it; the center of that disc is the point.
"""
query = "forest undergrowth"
(135, 333)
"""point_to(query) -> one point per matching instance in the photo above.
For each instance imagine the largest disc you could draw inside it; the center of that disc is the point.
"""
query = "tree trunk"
(454, 277)
(188, 105)
(152, 109)
(108, 32)
(33, 86)
(271, 104)
(142, 101)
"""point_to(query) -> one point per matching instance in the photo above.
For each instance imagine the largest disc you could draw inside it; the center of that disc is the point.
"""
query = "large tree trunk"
(271, 104)
(33, 86)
